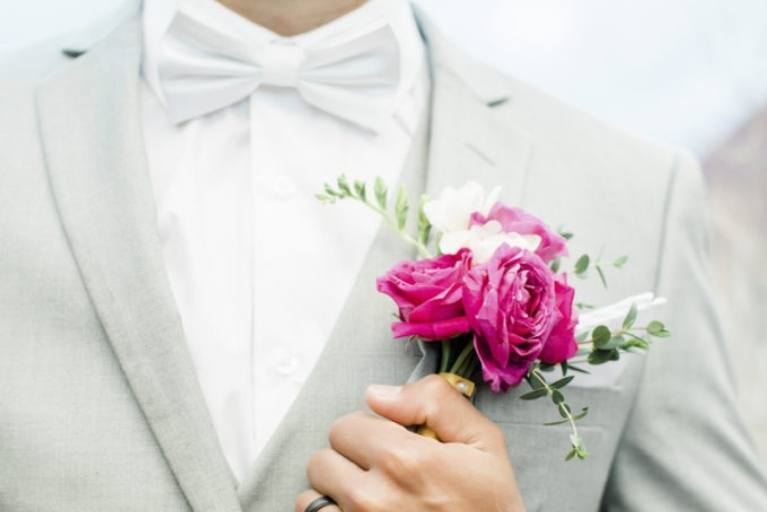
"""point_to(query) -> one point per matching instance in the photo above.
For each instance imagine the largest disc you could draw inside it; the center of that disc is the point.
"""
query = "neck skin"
(291, 17)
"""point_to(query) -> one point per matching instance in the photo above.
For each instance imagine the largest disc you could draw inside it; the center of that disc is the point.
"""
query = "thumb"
(433, 402)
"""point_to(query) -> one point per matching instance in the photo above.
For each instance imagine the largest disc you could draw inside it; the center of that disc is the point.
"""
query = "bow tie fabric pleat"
(353, 75)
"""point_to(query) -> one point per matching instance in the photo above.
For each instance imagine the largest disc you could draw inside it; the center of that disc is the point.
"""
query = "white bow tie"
(353, 75)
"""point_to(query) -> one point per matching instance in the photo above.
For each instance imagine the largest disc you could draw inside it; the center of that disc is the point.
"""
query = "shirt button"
(283, 187)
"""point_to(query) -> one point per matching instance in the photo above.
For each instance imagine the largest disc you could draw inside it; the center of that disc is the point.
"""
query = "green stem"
(459, 364)
(446, 350)
(549, 391)
(423, 251)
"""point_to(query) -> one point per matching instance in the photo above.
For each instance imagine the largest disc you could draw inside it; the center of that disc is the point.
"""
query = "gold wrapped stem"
(460, 384)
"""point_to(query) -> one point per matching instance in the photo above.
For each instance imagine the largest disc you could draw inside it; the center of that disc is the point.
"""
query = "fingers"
(306, 497)
(362, 437)
(433, 402)
(331, 474)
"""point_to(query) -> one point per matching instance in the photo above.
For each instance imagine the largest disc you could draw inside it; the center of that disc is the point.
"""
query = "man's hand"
(376, 464)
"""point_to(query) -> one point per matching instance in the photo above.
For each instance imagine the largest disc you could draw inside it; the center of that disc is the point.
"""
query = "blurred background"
(687, 72)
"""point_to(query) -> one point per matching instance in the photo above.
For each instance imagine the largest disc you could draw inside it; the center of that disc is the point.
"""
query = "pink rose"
(561, 344)
(511, 305)
(516, 220)
(429, 294)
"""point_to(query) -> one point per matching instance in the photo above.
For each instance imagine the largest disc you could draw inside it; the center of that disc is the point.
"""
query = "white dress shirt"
(259, 268)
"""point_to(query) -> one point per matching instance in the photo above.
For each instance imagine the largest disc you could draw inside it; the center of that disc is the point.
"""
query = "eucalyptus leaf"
(600, 357)
(381, 192)
(535, 394)
(631, 317)
(582, 265)
(401, 208)
(562, 382)
(601, 336)
(343, 185)
(360, 190)
(578, 369)
(620, 262)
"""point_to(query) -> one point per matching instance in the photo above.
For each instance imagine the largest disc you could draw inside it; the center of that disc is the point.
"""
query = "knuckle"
(436, 385)
(343, 425)
(403, 461)
(316, 462)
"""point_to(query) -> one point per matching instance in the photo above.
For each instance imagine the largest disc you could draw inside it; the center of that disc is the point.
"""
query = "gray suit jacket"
(100, 408)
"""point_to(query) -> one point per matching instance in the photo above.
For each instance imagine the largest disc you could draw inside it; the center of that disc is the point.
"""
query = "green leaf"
(602, 356)
(631, 317)
(657, 329)
(557, 397)
(329, 190)
(620, 262)
(325, 199)
(584, 306)
(555, 265)
(578, 369)
(547, 367)
(615, 342)
(565, 234)
(601, 275)
(424, 226)
(601, 336)
(562, 382)
(381, 192)
(401, 208)
(581, 414)
(532, 395)
(343, 185)
(359, 188)
(582, 265)
(564, 410)
(571, 455)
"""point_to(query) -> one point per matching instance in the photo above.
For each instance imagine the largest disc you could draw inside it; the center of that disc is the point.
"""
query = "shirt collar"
(158, 14)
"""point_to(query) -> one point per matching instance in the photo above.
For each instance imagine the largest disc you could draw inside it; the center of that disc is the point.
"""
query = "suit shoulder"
(26, 67)
(598, 147)
(591, 146)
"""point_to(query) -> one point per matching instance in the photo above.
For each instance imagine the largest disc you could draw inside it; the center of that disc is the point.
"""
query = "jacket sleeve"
(685, 447)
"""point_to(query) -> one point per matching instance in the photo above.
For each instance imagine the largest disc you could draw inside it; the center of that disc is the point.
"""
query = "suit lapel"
(90, 126)
(472, 135)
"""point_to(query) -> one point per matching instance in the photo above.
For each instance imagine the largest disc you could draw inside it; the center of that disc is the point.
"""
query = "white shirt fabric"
(259, 268)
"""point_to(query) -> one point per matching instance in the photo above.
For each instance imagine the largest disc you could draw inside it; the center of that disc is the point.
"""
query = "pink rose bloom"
(561, 344)
(516, 220)
(511, 305)
(429, 294)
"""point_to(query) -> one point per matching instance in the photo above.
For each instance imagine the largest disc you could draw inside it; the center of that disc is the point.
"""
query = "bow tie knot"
(281, 64)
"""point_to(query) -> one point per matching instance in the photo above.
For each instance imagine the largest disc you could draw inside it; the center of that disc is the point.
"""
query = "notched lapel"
(90, 126)
(472, 135)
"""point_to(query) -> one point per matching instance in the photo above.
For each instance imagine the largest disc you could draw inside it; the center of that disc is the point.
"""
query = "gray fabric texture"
(100, 408)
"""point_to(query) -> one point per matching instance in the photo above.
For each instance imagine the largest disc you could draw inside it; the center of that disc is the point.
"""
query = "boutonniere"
(489, 287)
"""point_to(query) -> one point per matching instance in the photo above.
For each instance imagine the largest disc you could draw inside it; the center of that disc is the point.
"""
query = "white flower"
(452, 211)
(484, 240)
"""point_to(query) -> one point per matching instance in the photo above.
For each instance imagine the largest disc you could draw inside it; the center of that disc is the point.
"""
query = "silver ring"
(321, 502)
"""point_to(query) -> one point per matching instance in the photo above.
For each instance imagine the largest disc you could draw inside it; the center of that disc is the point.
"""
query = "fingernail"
(382, 391)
